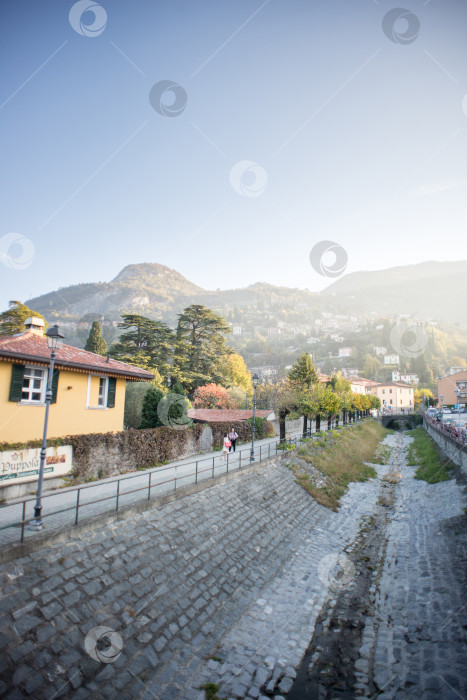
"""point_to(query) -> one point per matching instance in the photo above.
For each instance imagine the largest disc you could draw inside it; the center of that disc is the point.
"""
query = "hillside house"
(88, 390)
(407, 378)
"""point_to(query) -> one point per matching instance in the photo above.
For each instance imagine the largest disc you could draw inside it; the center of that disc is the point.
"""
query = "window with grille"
(34, 385)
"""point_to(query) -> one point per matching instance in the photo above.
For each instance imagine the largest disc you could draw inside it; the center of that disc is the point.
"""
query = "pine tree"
(200, 347)
(303, 372)
(95, 342)
(12, 321)
(146, 343)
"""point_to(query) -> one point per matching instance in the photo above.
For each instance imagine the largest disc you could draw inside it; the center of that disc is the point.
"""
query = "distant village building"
(391, 359)
(360, 385)
(447, 387)
(344, 352)
(348, 372)
(380, 350)
(408, 378)
(264, 372)
(312, 340)
(236, 330)
(394, 396)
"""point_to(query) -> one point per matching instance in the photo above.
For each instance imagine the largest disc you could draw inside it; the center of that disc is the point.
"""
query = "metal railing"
(457, 433)
(144, 485)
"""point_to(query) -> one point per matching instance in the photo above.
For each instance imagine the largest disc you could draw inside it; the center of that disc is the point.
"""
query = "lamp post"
(442, 412)
(458, 407)
(54, 340)
(255, 379)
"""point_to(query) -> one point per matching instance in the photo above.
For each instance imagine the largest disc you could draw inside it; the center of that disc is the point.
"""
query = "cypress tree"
(95, 342)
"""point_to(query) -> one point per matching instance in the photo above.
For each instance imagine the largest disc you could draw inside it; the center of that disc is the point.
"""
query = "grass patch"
(210, 691)
(286, 446)
(341, 460)
(423, 453)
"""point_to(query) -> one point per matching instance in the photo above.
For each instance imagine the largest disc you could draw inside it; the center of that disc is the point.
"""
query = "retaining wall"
(456, 453)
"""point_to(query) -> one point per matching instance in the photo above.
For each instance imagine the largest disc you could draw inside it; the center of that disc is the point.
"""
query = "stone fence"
(98, 456)
(456, 452)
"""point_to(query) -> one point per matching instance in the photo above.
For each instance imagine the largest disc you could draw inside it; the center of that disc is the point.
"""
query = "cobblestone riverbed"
(229, 586)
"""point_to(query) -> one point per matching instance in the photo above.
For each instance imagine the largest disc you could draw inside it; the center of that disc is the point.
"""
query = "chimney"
(34, 325)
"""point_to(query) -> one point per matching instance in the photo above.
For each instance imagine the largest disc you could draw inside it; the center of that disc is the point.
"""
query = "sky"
(236, 141)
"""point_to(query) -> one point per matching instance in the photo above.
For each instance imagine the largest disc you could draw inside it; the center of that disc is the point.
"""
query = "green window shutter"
(16, 385)
(55, 385)
(111, 392)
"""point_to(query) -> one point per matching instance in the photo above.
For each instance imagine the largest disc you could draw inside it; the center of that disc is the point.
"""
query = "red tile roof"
(31, 347)
(215, 415)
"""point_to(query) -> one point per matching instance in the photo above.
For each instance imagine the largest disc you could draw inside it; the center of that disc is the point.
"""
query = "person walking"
(233, 437)
(226, 447)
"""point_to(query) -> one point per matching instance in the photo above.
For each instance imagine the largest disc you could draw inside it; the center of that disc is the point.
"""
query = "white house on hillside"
(408, 378)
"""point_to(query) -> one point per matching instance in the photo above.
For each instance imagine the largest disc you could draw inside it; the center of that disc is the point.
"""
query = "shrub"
(149, 417)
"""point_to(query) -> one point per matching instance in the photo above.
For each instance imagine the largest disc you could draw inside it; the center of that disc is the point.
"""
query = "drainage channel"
(332, 667)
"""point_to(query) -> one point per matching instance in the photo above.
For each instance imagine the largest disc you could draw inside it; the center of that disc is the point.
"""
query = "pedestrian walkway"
(64, 508)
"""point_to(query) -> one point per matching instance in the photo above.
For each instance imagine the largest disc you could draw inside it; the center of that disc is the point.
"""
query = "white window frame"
(43, 389)
(103, 406)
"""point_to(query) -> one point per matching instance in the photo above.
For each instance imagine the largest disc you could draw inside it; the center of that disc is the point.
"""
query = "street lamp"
(442, 412)
(458, 407)
(255, 379)
(54, 340)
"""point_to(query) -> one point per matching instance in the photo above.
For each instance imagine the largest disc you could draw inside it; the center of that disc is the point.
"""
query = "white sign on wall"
(19, 466)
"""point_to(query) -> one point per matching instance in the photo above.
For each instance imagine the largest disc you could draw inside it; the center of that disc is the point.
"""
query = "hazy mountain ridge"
(434, 290)
(427, 290)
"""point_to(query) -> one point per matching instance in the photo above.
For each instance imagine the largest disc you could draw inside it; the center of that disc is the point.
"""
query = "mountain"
(436, 290)
(148, 288)
(431, 290)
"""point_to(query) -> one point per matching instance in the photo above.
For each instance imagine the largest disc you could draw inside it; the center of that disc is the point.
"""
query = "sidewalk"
(64, 508)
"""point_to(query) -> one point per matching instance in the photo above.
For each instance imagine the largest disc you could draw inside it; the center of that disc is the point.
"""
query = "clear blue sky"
(358, 139)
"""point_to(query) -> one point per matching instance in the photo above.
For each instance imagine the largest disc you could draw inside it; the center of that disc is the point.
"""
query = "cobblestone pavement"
(225, 586)
(398, 628)
(232, 566)
(415, 644)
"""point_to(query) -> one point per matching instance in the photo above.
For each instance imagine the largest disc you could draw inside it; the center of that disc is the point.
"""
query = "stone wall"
(99, 456)
(291, 426)
(456, 453)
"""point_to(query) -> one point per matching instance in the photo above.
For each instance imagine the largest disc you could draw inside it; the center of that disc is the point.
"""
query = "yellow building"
(88, 390)
(394, 396)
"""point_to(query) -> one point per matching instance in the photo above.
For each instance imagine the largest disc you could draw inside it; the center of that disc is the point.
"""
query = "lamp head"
(255, 380)
(54, 337)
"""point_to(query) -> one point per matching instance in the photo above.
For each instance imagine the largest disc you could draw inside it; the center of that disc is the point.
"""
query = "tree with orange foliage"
(212, 396)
